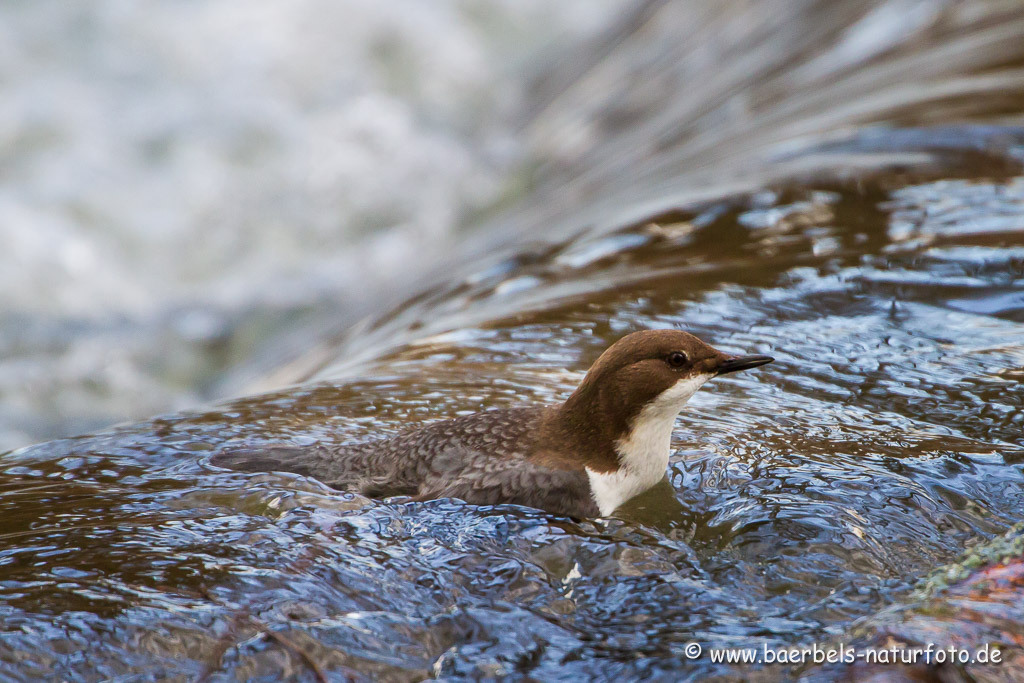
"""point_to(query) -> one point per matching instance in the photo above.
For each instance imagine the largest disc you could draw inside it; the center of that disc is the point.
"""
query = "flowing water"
(883, 268)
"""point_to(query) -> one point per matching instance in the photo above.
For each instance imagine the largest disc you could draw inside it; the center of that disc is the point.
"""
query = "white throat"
(643, 452)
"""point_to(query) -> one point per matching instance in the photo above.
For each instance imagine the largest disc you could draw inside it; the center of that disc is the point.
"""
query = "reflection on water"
(883, 441)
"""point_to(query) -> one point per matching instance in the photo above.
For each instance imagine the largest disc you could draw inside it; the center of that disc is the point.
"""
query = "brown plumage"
(537, 456)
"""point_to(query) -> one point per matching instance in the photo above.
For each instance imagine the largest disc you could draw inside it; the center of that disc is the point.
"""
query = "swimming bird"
(608, 442)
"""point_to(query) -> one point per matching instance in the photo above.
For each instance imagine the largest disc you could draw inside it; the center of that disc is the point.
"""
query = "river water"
(848, 199)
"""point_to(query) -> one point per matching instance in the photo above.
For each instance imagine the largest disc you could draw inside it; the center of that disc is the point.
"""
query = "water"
(883, 440)
(882, 267)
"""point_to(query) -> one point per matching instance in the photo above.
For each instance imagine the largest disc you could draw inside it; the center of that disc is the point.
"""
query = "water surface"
(883, 440)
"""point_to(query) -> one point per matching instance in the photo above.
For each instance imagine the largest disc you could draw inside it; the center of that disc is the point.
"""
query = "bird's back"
(485, 458)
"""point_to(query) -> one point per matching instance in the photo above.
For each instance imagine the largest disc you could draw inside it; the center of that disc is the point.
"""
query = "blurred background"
(183, 183)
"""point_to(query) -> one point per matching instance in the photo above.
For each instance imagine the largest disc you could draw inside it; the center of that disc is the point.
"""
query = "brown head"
(651, 373)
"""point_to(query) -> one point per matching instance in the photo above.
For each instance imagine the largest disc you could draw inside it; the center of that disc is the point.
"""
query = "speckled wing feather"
(483, 458)
(346, 467)
(564, 492)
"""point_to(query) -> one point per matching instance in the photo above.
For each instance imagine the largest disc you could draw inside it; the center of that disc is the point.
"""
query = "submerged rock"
(966, 624)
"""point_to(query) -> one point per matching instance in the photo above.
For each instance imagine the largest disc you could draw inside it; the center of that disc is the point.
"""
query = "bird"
(608, 442)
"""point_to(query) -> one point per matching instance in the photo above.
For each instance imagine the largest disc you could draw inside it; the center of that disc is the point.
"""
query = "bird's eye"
(677, 359)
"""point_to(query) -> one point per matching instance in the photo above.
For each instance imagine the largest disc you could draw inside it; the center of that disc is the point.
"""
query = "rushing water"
(883, 441)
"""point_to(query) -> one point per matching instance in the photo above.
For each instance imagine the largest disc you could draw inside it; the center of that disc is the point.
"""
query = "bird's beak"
(742, 363)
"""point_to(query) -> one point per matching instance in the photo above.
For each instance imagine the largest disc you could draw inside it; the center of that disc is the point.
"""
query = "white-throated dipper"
(608, 442)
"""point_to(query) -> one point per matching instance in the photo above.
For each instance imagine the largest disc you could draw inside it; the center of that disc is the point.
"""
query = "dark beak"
(742, 363)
